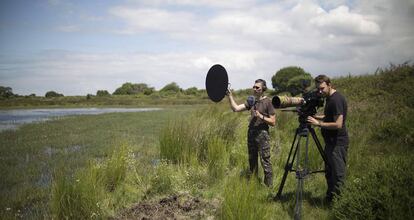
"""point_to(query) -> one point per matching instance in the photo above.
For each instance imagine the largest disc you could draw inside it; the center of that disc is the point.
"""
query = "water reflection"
(11, 119)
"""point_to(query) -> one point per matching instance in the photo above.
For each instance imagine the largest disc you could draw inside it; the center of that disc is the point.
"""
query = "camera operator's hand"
(313, 121)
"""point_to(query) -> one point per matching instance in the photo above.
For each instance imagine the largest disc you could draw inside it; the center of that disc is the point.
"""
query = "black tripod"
(301, 172)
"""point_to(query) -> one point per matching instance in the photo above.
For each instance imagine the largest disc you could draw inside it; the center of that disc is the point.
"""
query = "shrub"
(51, 94)
(384, 193)
(102, 93)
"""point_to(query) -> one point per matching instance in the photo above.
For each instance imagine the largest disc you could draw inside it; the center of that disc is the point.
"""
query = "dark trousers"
(259, 143)
(335, 167)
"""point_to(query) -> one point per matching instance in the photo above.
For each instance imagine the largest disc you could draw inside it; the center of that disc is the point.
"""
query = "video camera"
(306, 105)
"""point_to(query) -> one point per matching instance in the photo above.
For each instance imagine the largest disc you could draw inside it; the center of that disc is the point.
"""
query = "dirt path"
(182, 206)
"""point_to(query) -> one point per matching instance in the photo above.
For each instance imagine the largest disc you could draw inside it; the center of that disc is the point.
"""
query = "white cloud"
(341, 21)
(251, 39)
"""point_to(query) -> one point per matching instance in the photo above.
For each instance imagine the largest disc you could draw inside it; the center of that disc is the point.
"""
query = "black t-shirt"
(335, 106)
(265, 107)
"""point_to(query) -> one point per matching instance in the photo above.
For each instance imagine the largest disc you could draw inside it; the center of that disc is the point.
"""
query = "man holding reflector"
(258, 139)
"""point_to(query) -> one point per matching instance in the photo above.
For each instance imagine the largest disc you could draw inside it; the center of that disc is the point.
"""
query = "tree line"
(292, 80)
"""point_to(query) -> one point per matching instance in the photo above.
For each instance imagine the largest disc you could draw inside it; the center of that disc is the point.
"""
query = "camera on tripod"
(306, 105)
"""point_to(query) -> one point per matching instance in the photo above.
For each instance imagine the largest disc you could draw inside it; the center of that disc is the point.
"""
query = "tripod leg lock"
(288, 167)
(301, 174)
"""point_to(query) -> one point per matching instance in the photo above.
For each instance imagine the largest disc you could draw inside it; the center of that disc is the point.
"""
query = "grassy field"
(113, 165)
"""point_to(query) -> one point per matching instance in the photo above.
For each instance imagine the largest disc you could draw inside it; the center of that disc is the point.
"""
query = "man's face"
(257, 89)
(323, 88)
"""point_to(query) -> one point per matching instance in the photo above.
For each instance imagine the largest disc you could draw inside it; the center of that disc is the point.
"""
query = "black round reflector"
(217, 83)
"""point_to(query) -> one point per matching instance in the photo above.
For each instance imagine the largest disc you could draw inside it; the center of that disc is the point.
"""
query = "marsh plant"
(187, 139)
(242, 200)
(86, 193)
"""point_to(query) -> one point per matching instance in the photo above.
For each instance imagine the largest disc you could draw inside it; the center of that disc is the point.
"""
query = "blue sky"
(79, 47)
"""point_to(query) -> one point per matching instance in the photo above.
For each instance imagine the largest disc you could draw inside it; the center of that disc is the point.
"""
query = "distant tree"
(291, 79)
(102, 93)
(149, 91)
(89, 96)
(171, 88)
(191, 91)
(6, 92)
(51, 94)
(133, 89)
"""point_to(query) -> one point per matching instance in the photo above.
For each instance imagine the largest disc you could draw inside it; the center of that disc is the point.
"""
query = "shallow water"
(12, 119)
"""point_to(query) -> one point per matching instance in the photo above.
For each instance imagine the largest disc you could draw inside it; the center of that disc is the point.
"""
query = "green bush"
(51, 94)
(386, 192)
(102, 93)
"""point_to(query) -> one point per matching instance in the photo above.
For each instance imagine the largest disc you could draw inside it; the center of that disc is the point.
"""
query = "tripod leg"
(299, 186)
(288, 166)
(301, 173)
(318, 144)
(298, 205)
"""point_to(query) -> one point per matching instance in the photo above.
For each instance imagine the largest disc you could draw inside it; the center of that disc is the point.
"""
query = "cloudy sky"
(77, 47)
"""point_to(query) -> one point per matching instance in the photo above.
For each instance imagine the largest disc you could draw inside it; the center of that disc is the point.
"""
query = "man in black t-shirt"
(335, 134)
(258, 140)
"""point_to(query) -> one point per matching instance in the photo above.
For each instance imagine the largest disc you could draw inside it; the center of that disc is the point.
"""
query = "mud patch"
(172, 207)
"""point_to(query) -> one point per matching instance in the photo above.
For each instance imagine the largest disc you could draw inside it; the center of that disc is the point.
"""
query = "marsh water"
(12, 119)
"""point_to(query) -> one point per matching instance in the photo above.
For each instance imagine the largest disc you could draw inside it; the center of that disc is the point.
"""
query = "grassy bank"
(97, 101)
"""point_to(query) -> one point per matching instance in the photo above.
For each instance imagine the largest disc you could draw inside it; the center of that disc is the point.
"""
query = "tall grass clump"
(85, 194)
(177, 141)
(79, 197)
(242, 200)
(163, 181)
(186, 139)
(114, 170)
(218, 158)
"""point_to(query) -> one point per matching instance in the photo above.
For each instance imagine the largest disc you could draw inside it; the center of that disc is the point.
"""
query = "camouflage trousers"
(258, 142)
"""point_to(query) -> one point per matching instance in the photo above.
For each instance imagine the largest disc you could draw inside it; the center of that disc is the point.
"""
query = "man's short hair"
(263, 82)
(322, 78)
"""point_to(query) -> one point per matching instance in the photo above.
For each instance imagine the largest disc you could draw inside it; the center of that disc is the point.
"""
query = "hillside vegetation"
(381, 124)
(380, 157)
